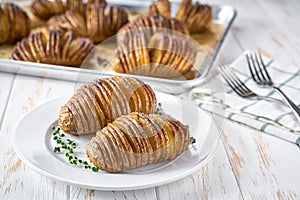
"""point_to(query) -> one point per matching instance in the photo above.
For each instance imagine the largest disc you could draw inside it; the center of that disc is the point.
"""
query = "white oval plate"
(32, 143)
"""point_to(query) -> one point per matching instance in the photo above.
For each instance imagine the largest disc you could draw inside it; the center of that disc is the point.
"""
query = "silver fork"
(239, 87)
(261, 76)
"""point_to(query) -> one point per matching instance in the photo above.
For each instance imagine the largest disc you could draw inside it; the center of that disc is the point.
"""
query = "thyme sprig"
(192, 140)
(67, 146)
(159, 109)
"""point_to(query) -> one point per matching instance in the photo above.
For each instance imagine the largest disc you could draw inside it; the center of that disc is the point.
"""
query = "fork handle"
(291, 104)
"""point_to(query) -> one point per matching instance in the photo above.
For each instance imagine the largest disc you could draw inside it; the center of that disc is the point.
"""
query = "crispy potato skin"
(137, 139)
(161, 7)
(197, 17)
(162, 55)
(98, 22)
(101, 101)
(53, 47)
(14, 23)
(44, 9)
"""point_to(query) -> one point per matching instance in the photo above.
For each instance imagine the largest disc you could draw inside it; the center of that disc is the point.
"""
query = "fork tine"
(235, 83)
(238, 81)
(263, 66)
(251, 68)
(230, 82)
(256, 68)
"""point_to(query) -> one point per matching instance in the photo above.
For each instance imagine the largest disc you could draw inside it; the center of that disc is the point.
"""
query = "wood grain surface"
(247, 164)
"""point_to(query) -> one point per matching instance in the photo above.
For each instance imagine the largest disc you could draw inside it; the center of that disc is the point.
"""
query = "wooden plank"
(286, 15)
(17, 181)
(79, 193)
(260, 161)
(213, 181)
(6, 82)
(271, 38)
(266, 167)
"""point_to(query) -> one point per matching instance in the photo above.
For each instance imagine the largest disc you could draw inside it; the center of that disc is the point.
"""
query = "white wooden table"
(247, 165)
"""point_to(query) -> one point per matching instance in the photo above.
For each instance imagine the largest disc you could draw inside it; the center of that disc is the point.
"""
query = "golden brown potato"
(53, 47)
(99, 102)
(137, 139)
(161, 7)
(197, 17)
(163, 55)
(97, 23)
(14, 23)
(154, 21)
(44, 9)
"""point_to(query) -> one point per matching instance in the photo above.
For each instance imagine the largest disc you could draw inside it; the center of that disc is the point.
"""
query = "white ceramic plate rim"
(139, 185)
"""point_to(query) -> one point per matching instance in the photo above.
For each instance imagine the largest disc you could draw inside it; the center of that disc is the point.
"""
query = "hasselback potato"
(99, 102)
(98, 22)
(149, 24)
(53, 47)
(136, 140)
(44, 9)
(163, 55)
(161, 7)
(196, 16)
(14, 23)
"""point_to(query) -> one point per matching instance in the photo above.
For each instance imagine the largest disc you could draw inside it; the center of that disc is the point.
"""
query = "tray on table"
(210, 40)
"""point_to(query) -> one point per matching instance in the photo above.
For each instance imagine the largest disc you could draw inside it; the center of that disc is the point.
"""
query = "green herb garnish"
(192, 140)
(68, 147)
(159, 110)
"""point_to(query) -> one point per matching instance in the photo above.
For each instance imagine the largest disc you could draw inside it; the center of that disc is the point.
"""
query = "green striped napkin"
(269, 117)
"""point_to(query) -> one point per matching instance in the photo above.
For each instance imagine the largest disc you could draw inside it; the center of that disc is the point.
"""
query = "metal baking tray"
(223, 15)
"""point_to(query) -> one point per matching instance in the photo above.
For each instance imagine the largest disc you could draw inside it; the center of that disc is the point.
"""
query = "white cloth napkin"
(269, 117)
